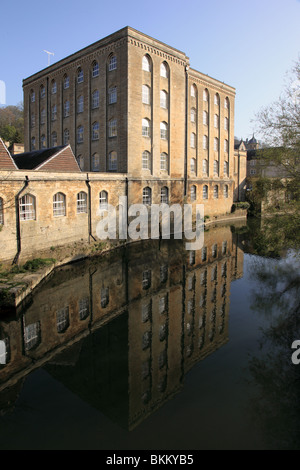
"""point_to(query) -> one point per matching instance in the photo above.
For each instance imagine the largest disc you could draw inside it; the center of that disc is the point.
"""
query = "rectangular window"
(62, 319)
(83, 308)
(146, 279)
(27, 207)
(32, 335)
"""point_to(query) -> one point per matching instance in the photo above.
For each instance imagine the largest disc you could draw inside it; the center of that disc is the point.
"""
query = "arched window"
(79, 75)
(146, 64)
(193, 165)
(66, 82)
(193, 91)
(164, 195)
(43, 116)
(216, 167)
(226, 124)
(104, 296)
(113, 161)
(32, 96)
(80, 161)
(164, 70)
(112, 128)
(146, 128)
(80, 104)
(27, 207)
(66, 136)
(112, 95)
(146, 94)
(79, 134)
(226, 146)
(53, 113)
(193, 140)
(216, 121)
(164, 130)
(226, 103)
(225, 191)
(216, 191)
(163, 99)
(95, 99)
(226, 168)
(43, 141)
(164, 161)
(62, 319)
(66, 108)
(95, 162)
(59, 205)
(193, 193)
(32, 143)
(43, 91)
(205, 118)
(103, 200)
(32, 120)
(193, 115)
(205, 142)
(53, 87)
(205, 192)
(147, 196)
(146, 160)
(216, 144)
(205, 167)
(112, 63)
(81, 203)
(95, 69)
(95, 131)
(205, 95)
(1, 211)
(217, 99)
(54, 139)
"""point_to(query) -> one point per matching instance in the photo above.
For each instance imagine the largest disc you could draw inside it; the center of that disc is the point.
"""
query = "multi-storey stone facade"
(130, 104)
(137, 321)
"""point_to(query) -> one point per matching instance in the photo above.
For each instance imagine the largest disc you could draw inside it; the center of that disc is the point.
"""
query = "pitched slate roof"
(6, 160)
(51, 159)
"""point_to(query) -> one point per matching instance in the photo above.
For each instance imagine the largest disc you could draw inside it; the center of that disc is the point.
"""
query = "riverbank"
(17, 283)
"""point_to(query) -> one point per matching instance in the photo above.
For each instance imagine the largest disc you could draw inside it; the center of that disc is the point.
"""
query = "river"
(154, 347)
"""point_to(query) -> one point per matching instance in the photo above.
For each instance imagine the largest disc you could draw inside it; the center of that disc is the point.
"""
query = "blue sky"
(249, 45)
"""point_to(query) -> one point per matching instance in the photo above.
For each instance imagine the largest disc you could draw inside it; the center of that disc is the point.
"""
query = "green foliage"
(37, 263)
(12, 124)
(240, 205)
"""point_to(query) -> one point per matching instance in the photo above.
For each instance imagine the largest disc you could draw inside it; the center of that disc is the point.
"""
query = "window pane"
(59, 205)
(81, 203)
(27, 207)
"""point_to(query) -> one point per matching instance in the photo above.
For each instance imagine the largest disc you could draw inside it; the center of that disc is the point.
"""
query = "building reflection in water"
(122, 331)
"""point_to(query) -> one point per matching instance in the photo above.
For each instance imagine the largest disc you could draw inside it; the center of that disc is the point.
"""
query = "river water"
(154, 347)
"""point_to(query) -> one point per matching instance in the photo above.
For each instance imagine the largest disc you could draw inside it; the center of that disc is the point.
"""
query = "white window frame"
(146, 65)
(80, 76)
(27, 205)
(95, 162)
(163, 99)
(112, 65)
(146, 160)
(146, 94)
(113, 128)
(146, 132)
(164, 161)
(80, 104)
(95, 69)
(59, 205)
(164, 70)
(112, 95)
(95, 99)
(103, 200)
(147, 196)
(81, 203)
(80, 130)
(95, 130)
(164, 131)
(113, 161)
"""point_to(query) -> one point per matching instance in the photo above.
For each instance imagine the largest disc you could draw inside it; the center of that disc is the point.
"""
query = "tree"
(12, 124)
(279, 126)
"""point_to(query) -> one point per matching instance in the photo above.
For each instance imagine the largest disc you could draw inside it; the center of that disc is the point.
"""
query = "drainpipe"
(89, 209)
(18, 225)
